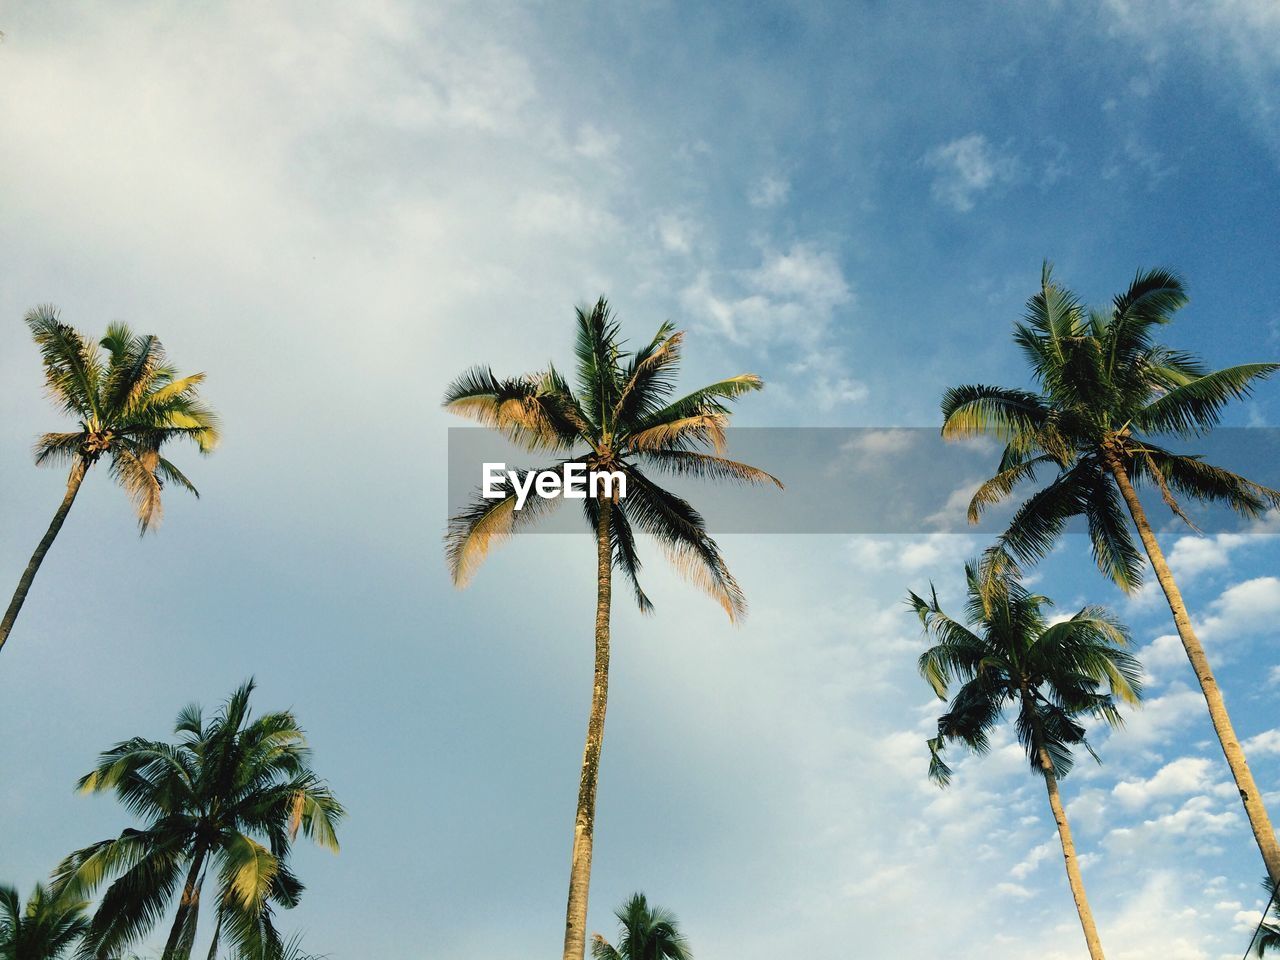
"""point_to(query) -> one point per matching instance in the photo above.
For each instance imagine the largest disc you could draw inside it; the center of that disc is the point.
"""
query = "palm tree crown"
(1106, 388)
(130, 402)
(229, 797)
(622, 415)
(44, 929)
(1052, 674)
(646, 933)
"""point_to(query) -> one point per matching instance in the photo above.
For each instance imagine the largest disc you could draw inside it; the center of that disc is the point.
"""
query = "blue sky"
(333, 210)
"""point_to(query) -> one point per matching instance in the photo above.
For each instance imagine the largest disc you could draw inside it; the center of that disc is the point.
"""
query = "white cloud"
(769, 192)
(784, 307)
(1265, 744)
(1159, 720)
(596, 144)
(1180, 777)
(676, 233)
(967, 167)
(876, 444)
(934, 553)
(1192, 555)
(1244, 608)
(1035, 857)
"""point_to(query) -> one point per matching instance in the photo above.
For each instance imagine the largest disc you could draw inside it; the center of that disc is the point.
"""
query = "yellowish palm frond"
(700, 428)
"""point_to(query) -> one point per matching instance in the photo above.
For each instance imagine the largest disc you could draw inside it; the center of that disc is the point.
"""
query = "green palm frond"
(1196, 406)
(598, 354)
(1114, 549)
(72, 365)
(681, 532)
(978, 409)
(1192, 477)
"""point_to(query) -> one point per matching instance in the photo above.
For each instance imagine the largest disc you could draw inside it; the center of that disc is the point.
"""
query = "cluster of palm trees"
(232, 793)
(222, 805)
(1105, 390)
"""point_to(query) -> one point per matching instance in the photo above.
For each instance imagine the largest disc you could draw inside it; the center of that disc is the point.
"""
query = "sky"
(333, 209)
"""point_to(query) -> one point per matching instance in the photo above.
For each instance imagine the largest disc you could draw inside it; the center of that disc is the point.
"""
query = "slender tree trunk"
(1259, 822)
(188, 909)
(217, 935)
(1069, 855)
(24, 583)
(575, 924)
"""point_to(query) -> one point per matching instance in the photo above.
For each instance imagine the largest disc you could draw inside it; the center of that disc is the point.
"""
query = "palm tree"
(1105, 388)
(129, 405)
(621, 416)
(45, 929)
(229, 797)
(1267, 936)
(1051, 675)
(647, 933)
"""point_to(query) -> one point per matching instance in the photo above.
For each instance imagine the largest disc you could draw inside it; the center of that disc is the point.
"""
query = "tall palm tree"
(647, 933)
(130, 403)
(1104, 389)
(229, 797)
(620, 416)
(45, 929)
(1050, 675)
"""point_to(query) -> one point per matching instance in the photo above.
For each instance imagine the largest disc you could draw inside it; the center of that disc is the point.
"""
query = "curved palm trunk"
(74, 480)
(1259, 821)
(575, 924)
(178, 946)
(1069, 856)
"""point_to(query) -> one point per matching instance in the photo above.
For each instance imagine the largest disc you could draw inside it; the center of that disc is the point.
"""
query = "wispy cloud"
(967, 167)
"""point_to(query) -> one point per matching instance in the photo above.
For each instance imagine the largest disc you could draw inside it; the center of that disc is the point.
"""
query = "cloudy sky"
(335, 208)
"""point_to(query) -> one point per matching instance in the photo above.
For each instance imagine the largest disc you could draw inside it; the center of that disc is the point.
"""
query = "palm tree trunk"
(575, 924)
(217, 935)
(1069, 855)
(24, 583)
(188, 908)
(1249, 795)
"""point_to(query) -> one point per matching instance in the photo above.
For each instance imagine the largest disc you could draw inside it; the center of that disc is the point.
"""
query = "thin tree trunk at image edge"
(1259, 821)
(1069, 855)
(575, 925)
(74, 480)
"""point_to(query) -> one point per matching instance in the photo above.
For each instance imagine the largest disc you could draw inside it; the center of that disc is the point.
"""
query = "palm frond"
(1196, 406)
(484, 523)
(680, 531)
(72, 365)
(977, 409)
(693, 463)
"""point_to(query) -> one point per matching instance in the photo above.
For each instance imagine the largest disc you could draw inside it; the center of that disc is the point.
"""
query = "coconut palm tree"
(224, 803)
(130, 404)
(1105, 389)
(621, 417)
(646, 933)
(1051, 675)
(45, 929)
